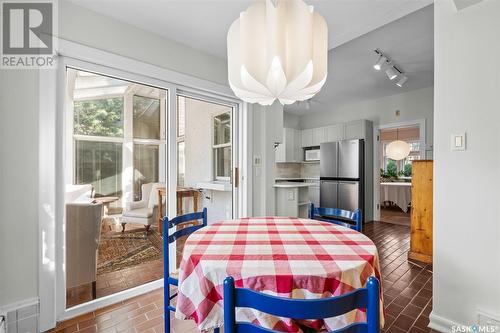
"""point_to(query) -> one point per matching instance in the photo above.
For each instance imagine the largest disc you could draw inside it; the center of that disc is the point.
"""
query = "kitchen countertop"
(291, 184)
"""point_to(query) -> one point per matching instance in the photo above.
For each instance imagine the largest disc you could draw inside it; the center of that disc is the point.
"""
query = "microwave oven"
(311, 154)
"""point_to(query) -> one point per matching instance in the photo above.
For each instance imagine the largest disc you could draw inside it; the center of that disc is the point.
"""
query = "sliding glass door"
(115, 165)
(133, 153)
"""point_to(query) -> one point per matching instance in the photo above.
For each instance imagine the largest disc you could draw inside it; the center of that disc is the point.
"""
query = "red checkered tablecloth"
(280, 256)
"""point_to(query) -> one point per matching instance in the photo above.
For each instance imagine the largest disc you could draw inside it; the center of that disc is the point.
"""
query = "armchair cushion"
(133, 205)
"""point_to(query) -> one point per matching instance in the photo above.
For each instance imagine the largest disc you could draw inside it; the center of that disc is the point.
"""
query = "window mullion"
(128, 148)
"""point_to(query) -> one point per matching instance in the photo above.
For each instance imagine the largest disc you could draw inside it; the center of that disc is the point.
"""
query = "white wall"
(413, 105)
(267, 129)
(466, 184)
(19, 133)
(18, 185)
(199, 156)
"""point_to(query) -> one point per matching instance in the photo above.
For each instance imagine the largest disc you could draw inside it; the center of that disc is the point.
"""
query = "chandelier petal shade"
(277, 50)
(397, 150)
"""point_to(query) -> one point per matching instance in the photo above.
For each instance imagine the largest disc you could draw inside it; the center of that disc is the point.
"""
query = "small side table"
(182, 193)
(106, 201)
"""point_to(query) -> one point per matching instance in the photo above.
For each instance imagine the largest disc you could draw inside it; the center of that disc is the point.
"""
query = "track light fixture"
(381, 61)
(391, 71)
(402, 81)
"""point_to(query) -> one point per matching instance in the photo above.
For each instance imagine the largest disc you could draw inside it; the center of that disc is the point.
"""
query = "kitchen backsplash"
(309, 170)
(297, 170)
(288, 170)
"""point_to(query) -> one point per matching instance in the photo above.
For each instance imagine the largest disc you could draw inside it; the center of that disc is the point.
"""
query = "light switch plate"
(457, 141)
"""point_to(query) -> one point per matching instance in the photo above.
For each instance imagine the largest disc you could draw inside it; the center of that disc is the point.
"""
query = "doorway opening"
(395, 175)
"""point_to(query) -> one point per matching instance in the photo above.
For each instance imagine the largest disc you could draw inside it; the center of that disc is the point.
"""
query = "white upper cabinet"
(319, 136)
(355, 129)
(307, 137)
(294, 140)
(335, 133)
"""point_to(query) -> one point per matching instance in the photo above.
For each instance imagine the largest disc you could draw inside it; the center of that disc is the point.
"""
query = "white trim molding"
(376, 155)
(441, 324)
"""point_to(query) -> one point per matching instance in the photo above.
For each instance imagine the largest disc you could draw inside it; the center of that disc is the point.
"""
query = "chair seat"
(139, 212)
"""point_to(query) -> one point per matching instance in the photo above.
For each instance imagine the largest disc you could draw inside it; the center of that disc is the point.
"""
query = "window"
(146, 133)
(146, 117)
(99, 164)
(145, 166)
(99, 117)
(117, 131)
(222, 146)
(404, 165)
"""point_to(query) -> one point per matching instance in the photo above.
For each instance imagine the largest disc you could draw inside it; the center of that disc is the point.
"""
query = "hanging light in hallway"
(277, 50)
(397, 149)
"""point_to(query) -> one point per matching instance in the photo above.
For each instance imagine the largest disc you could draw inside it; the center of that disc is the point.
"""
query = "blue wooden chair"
(173, 279)
(346, 218)
(364, 298)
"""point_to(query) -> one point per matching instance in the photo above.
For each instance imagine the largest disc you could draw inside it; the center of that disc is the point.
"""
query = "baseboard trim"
(441, 324)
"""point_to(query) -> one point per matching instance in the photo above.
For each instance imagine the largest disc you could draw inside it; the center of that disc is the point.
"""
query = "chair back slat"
(183, 232)
(338, 216)
(302, 308)
(363, 298)
(188, 217)
(252, 328)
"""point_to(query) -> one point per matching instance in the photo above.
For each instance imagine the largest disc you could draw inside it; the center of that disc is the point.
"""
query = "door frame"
(236, 125)
(52, 83)
(376, 155)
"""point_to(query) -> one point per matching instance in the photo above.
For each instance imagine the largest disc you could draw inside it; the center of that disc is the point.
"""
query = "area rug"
(118, 251)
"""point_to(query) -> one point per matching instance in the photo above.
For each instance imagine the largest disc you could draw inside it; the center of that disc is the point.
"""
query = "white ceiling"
(409, 42)
(203, 24)
(356, 28)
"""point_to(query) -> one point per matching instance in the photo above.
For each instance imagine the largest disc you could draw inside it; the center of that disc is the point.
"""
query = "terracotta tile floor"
(407, 295)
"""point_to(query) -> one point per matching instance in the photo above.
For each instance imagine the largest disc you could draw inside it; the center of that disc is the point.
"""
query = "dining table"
(281, 256)
(397, 192)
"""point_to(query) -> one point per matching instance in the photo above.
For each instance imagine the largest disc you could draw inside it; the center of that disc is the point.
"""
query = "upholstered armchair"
(144, 211)
(83, 230)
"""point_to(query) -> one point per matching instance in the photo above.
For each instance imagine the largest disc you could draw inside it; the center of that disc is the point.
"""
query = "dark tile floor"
(394, 214)
(407, 285)
(407, 295)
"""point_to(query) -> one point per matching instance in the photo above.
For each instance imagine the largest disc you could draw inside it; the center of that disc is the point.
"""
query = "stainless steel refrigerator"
(342, 174)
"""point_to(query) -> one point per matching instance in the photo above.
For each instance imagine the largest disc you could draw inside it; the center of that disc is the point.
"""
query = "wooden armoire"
(421, 211)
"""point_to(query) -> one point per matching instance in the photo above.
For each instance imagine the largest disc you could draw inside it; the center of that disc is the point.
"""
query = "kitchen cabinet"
(355, 130)
(358, 129)
(291, 149)
(292, 199)
(307, 137)
(335, 133)
(318, 136)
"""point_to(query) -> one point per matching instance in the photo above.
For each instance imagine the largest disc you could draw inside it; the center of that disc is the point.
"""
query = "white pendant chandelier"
(277, 50)
(397, 149)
